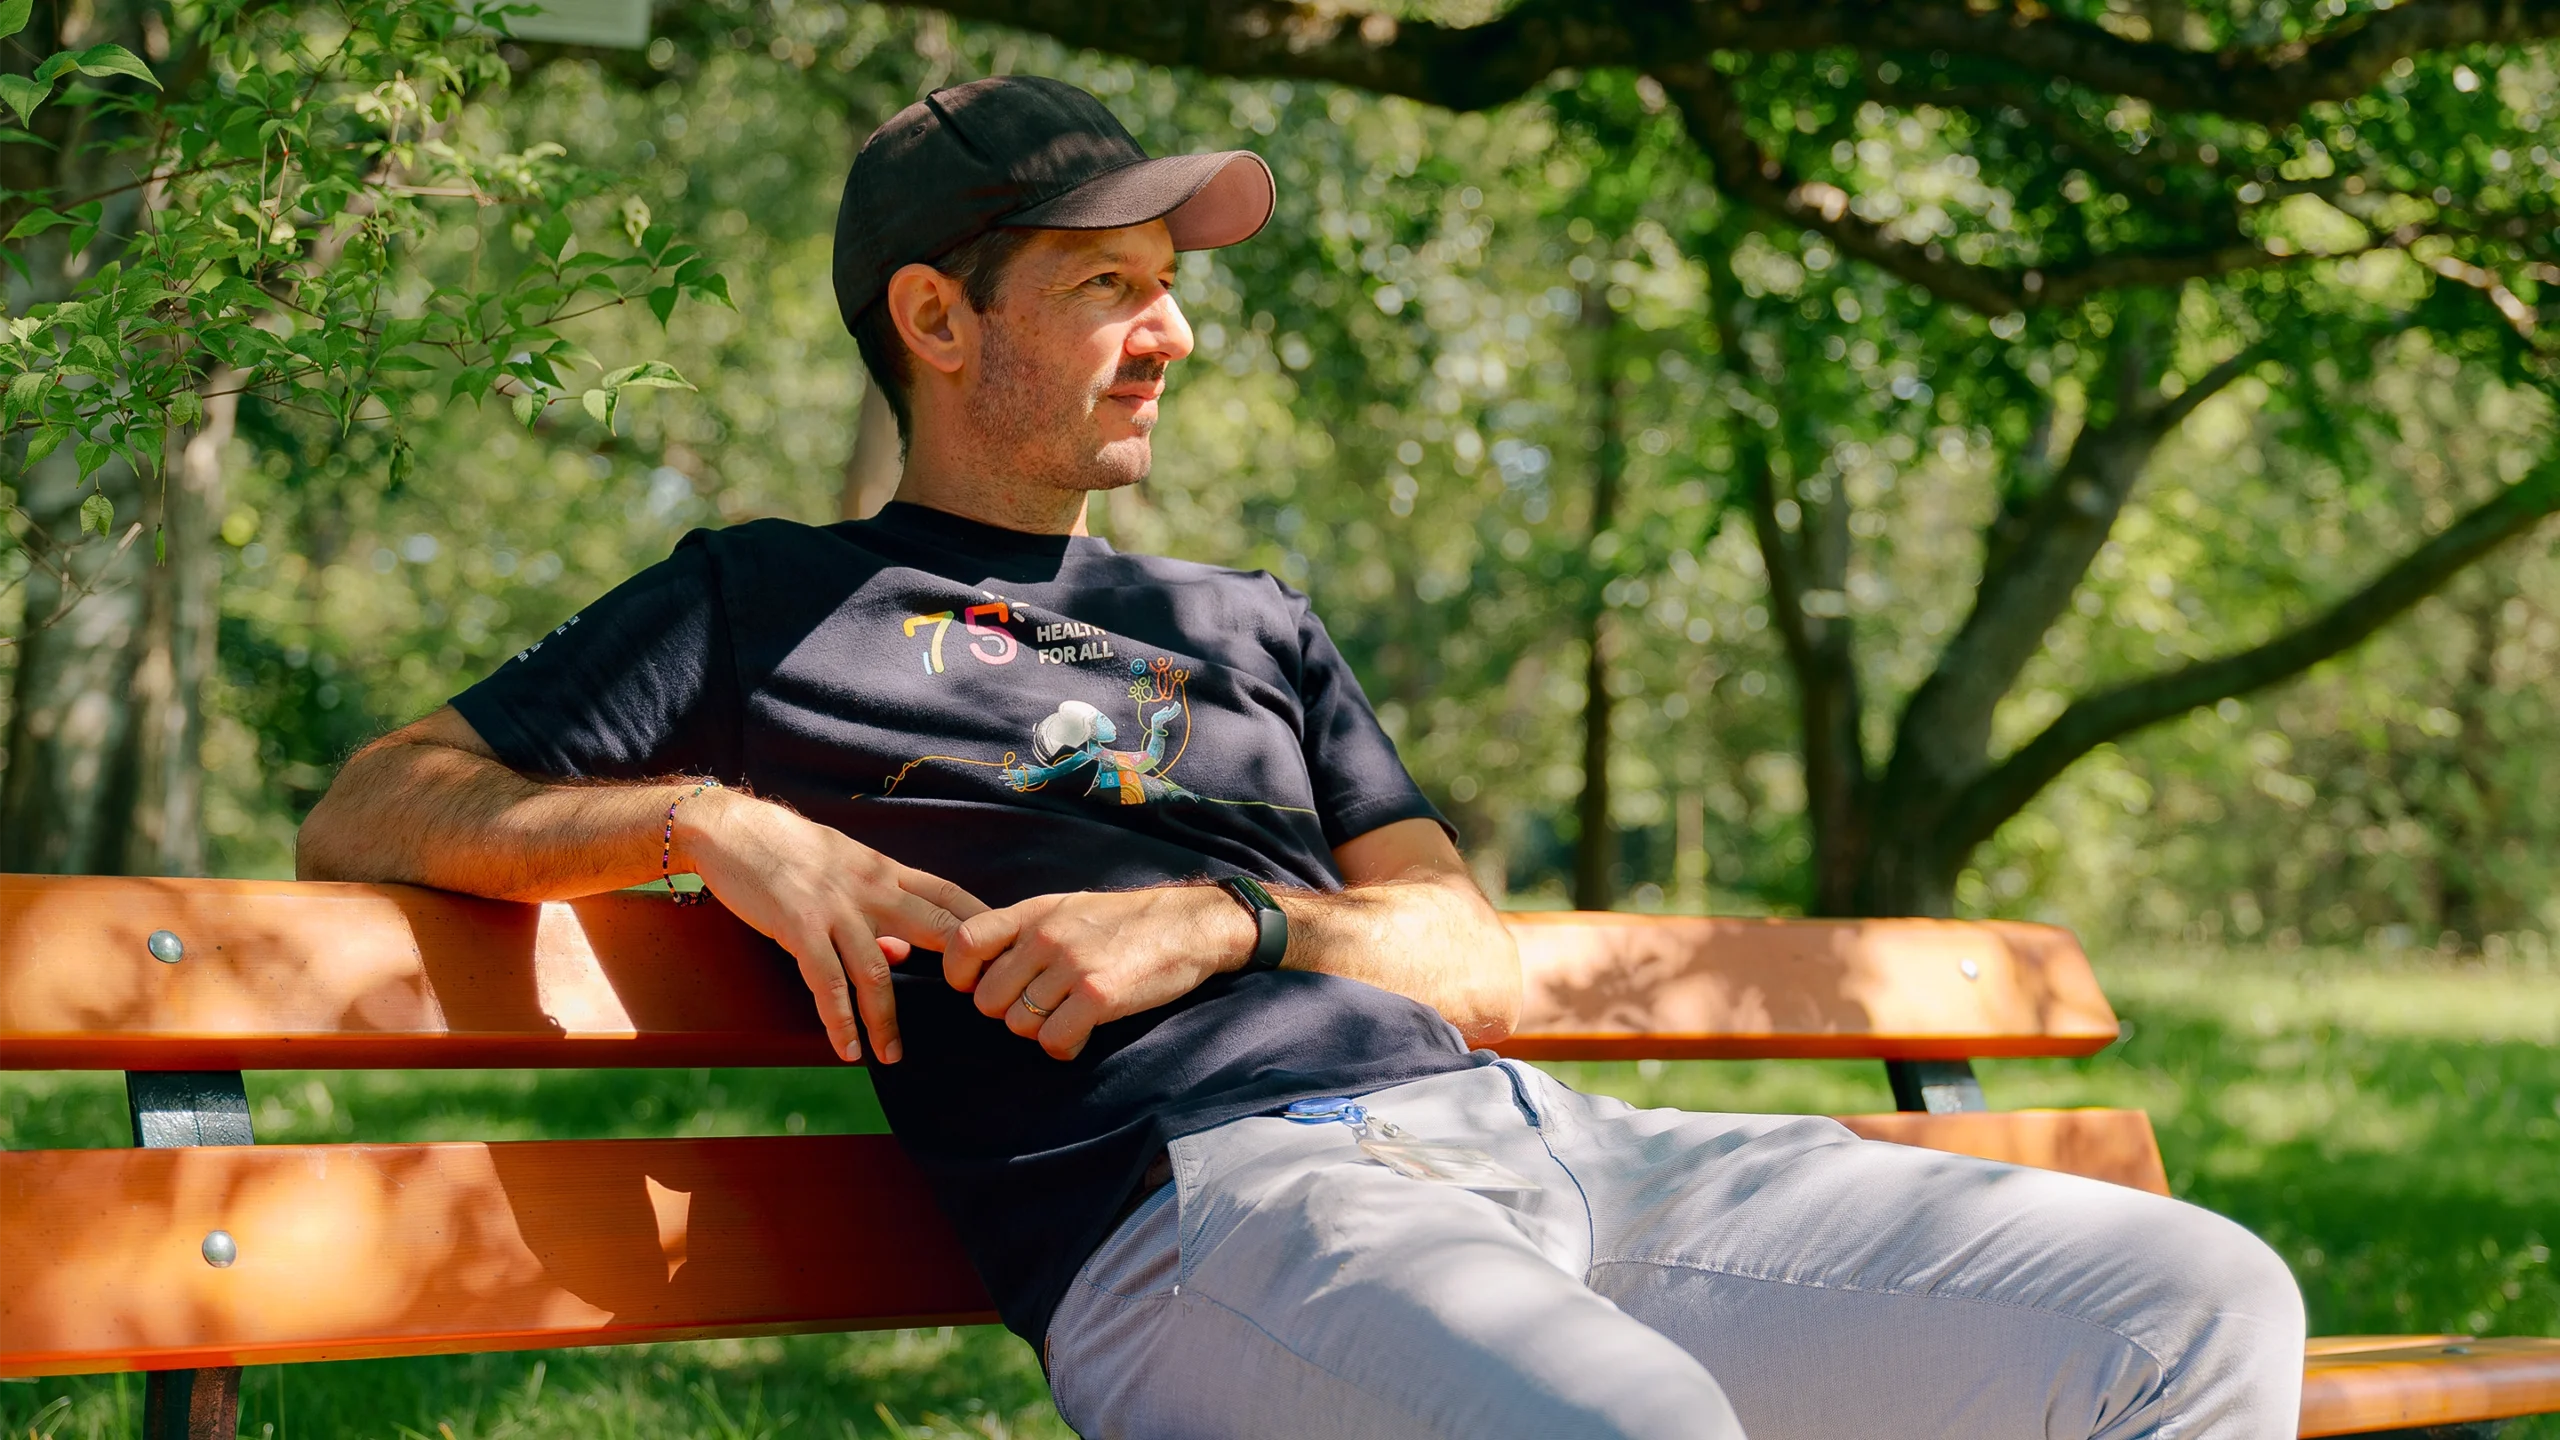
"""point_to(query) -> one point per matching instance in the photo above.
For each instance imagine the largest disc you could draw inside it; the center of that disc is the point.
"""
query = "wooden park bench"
(197, 1252)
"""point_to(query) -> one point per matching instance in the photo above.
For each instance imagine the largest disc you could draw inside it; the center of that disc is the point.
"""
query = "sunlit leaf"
(26, 392)
(552, 235)
(97, 513)
(14, 15)
(105, 60)
(649, 374)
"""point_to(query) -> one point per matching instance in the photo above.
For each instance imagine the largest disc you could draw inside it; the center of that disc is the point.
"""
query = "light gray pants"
(1699, 1276)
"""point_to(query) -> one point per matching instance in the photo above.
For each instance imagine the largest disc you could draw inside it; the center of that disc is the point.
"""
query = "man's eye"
(1106, 281)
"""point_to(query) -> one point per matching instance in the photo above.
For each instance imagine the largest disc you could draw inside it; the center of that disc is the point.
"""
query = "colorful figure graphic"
(1076, 734)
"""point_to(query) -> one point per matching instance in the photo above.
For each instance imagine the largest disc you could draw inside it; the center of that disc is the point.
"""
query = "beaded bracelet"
(667, 850)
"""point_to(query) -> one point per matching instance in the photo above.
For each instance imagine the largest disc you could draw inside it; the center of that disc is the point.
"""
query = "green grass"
(2391, 1125)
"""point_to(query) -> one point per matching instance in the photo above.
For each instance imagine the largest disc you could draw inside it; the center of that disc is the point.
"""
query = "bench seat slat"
(2393, 1386)
(2112, 1145)
(350, 1251)
(298, 975)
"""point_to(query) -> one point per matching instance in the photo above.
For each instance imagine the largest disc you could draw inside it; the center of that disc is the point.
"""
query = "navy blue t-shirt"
(1022, 715)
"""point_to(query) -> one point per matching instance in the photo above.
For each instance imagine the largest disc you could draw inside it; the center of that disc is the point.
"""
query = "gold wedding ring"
(1026, 1004)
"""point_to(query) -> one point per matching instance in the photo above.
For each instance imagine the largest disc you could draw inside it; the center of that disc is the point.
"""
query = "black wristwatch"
(1271, 925)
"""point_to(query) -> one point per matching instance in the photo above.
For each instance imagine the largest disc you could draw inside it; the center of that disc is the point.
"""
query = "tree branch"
(1808, 575)
(1716, 123)
(1471, 67)
(2096, 719)
(2033, 564)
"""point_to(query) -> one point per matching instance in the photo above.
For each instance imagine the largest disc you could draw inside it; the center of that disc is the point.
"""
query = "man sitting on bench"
(1191, 1074)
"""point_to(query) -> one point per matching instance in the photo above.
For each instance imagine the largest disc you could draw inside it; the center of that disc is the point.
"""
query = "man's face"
(1072, 357)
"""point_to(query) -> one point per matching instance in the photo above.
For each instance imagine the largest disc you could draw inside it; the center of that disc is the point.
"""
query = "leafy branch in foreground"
(245, 232)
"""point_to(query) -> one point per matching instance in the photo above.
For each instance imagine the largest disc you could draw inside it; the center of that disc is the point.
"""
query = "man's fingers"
(938, 891)
(980, 939)
(1004, 981)
(1064, 1034)
(895, 950)
(866, 965)
(828, 985)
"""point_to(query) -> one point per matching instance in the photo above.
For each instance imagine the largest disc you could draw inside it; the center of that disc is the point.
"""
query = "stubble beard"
(1040, 428)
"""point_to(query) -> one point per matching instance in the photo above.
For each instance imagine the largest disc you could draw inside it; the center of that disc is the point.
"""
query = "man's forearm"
(427, 811)
(1434, 940)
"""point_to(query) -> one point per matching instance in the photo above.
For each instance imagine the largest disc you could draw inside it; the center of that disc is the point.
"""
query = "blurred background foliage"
(1406, 395)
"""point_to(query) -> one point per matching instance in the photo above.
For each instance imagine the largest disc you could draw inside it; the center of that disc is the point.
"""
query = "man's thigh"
(1840, 1287)
(1296, 1289)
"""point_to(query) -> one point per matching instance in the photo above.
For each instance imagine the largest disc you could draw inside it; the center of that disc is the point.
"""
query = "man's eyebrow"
(1122, 259)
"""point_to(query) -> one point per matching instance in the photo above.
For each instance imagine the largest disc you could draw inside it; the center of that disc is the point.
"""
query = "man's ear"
(933, 316)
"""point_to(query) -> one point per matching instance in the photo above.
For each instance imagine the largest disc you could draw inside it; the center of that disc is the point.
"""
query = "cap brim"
(1205, 200)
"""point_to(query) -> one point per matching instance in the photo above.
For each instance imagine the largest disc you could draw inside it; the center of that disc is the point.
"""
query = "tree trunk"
(1595, 851)
(181, 623)
(871, 472)
(2469, 823)
(66, 801)
(106, 735)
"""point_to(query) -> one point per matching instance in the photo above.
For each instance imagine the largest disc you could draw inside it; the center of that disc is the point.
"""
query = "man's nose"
(1161, 332)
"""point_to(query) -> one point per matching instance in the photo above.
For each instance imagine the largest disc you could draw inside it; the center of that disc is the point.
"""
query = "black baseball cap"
(1024, 150)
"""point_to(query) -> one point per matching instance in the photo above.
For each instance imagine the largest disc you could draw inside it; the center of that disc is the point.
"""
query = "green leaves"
(288, 195)
(105, 60)
(23, 95)
(605, 401)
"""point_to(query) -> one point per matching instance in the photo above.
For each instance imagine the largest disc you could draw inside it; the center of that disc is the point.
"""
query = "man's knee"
(2224, 1269)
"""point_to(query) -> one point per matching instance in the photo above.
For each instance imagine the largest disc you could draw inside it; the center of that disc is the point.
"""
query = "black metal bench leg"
(190, 1107)
(1938, 1086)
(191, 1404)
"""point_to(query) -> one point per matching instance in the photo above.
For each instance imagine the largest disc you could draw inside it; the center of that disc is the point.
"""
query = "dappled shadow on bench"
(370, 975)
(1687, 987)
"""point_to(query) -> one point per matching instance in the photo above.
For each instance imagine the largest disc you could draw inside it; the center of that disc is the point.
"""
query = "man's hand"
(1089, 958)
(845, 911)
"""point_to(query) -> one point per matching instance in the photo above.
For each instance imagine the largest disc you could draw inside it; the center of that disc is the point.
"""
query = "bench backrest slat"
(279, 975)
(1611, 986)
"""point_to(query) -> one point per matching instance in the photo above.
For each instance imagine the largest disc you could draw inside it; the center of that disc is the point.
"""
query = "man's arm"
(431, 804)
(1411, 921)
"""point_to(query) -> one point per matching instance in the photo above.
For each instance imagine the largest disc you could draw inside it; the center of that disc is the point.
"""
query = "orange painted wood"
(367, 1250)
(2392, 1385)
(2111, 1145)
(281, 974)
(1607, 986)
(2344, 1344)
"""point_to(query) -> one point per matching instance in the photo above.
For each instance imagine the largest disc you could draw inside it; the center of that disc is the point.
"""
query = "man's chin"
(1118, 465)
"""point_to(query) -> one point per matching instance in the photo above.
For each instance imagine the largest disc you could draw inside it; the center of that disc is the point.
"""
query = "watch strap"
(1271, 923)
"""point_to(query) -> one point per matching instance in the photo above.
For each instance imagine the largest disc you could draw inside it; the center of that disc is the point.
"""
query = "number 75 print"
(990, 645)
